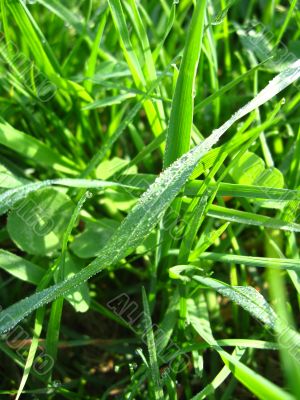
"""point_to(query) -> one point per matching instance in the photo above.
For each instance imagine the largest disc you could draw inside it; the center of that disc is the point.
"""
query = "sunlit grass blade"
(35, 150)
(276, 263)
(181, 118)
(154, 114)
(251, 218)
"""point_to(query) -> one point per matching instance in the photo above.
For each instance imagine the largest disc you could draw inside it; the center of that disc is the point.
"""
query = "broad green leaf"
(89, 243)
(79, 298)
(250, 169)
(8, 180)
(10, 197)
(108, 168)
(118, 201)
(37, 223)
(20, 267)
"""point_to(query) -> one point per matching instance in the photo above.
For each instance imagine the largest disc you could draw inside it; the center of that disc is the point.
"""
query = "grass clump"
(149, 186)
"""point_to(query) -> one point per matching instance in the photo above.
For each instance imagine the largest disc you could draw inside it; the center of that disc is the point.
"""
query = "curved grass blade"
(37, 151)
(261, 387)
(210, 388)
(11, 196)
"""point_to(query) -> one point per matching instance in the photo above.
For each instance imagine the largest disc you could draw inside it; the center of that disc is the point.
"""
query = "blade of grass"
(154, 115)
(53, 330)
(153, 365)
(34, 149)
(267, 262)
(245, 217)
(181, 118)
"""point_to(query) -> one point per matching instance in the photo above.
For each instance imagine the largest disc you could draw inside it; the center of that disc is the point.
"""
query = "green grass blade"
(251, 218)
(153, 364)
(181, 118)
(37, 330)
(266, 262)
(35, 150)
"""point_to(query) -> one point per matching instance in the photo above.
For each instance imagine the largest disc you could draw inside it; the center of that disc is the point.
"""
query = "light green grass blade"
(266, 262)
(226, 88)
(153, 114)
(35, 150)
(109, 101)
(249, 218)
(219, 378)
(191, 189)
(293, 4)
(74, 20)
(92, 61)
(53, 330)
(250, 300)
(37, 330)
(181, 118)
(41, 50)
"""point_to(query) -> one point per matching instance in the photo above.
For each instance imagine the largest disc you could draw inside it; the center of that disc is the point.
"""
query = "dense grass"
(150, 188)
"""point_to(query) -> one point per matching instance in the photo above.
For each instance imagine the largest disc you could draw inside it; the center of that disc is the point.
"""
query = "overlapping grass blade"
(35, 150)
(261, 387)
(155, 114)
(41, 50)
